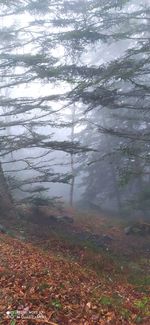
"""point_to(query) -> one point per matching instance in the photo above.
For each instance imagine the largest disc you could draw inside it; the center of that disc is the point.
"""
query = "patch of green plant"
(135, 267)
(116, 301)
(13, 322)
(138, 319)
(11, 233)
(62, 286)
(139, 280)
(106, 300)
(142, 303)
(56, 303)
(143, 290)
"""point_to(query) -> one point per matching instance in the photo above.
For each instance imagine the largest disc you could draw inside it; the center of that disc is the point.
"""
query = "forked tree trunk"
(6, 203)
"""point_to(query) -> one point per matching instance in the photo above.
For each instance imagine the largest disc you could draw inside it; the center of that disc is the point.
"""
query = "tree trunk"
(72, 157)
(6, 203)
(113, 172)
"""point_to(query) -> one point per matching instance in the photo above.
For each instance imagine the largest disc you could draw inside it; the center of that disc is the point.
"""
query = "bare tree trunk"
(6, 203)
(72, 157)
(72, 182)
(116, 189)
(113, 173)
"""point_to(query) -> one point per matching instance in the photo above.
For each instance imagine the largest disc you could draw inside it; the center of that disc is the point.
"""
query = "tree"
(120, 86)
(6, 201)
(28, 115)
(39, 52)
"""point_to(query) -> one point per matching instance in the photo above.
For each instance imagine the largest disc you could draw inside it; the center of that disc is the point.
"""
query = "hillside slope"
(49, 289)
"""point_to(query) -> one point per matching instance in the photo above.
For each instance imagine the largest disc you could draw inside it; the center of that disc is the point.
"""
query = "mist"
(74, 161)
(98, 55)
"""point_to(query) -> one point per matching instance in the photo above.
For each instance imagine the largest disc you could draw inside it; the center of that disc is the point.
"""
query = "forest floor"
(85, 273)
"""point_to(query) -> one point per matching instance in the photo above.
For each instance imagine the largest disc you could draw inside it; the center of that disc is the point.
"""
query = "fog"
(41, 103)
(74, 162)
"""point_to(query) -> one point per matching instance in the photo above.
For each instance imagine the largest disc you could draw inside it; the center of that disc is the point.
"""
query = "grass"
(139, 280)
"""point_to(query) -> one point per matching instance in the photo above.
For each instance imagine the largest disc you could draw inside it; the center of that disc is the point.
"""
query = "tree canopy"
(92, 55)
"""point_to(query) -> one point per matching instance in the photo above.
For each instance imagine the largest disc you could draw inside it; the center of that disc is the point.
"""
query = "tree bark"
(6, 202)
